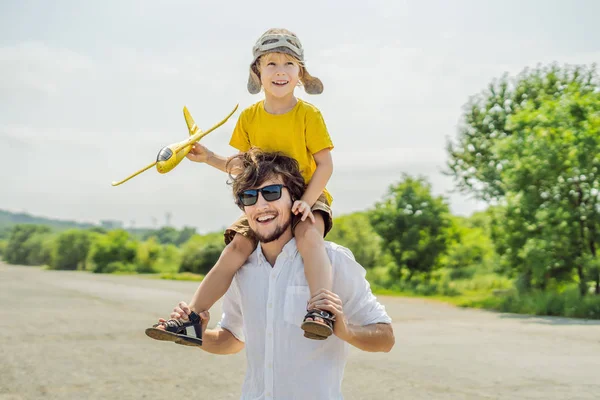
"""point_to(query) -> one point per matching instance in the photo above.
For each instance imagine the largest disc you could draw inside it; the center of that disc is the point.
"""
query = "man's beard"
(276, 234)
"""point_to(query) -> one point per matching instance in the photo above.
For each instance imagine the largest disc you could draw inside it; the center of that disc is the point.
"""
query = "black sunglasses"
(270, 193)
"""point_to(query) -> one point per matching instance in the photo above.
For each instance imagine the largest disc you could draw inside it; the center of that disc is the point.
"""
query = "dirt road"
(70, 335)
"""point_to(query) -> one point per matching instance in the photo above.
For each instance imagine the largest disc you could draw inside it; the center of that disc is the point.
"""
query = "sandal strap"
(326, 315)
(178, 326)
(174, 325)
(196, 322)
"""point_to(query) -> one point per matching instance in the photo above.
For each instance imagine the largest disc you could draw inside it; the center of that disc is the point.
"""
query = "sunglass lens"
(249, 197)
(272, 192)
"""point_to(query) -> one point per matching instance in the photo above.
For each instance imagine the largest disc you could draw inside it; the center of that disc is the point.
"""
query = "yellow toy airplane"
(168, 157)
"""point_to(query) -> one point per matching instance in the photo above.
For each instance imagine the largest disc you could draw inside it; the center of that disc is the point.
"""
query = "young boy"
(280, 122)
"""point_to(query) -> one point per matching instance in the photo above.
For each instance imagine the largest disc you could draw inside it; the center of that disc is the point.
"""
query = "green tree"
(531, 145)
(185, 235)
(3, 244)
(147, 255)
(200, 253)
(414, 226)
(27, 246)
(170, 235)
(71, 249)
(473, 158)
(553, 177)
(470, 246)
(39, 249)
(202, 259)
(165, 235)
(169, 259)
(355, 232)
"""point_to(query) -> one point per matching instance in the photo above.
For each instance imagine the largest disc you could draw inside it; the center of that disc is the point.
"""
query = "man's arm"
(374, 337)
(220, 341)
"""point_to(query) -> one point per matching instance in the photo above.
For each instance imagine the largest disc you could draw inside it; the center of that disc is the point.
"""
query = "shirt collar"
(290, 249)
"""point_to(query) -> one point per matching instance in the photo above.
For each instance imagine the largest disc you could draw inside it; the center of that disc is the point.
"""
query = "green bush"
(28, 245)
(71, 250)
(201, 259)
(3, 244)
(169, 259)
(115, 246)
(568, 303)
(355, 232)
(40, 249)
(147, 256)
(462, 273)
(118, 266)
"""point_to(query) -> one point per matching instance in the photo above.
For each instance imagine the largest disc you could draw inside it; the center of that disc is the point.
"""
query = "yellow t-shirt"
(299, 133)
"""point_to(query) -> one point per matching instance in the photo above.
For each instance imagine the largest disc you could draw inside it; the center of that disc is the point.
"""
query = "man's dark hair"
(258, 166)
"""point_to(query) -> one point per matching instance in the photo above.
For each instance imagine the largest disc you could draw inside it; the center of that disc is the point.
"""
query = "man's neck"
(279, 105)
(272, 249)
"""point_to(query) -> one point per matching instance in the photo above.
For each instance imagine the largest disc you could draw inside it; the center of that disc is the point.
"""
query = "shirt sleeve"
(317, 136)
(232, 318)
(360, 305)
(239, 138)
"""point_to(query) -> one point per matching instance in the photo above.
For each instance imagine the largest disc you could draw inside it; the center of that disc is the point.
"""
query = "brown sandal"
(318, 330)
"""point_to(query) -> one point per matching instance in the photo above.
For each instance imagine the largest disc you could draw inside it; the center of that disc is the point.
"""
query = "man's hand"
(329, 301)
(199, 153)
(373, 337)
(302, 207)
(181, 312)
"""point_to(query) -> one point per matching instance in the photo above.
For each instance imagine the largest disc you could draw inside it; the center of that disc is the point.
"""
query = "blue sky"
(90, 92)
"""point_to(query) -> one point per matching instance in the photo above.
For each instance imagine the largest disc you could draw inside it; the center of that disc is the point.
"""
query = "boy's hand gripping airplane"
(168, 157)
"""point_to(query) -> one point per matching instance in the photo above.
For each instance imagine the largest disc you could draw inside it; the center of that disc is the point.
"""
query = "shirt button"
(268, 394)
(270, 305)
(270, 365)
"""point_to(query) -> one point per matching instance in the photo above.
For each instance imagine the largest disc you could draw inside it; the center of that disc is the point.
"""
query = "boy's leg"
(317, 266)
(217, 281)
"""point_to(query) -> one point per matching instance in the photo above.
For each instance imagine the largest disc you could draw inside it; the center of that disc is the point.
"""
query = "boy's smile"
(279, 75)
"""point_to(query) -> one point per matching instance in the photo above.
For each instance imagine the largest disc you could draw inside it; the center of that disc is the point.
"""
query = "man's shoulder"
(337, 250)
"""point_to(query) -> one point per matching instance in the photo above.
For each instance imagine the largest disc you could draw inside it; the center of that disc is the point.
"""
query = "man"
(269, 295)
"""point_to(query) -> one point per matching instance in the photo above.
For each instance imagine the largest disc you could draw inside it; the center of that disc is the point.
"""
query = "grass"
(567, 303)
(179, 276)
(496, 293)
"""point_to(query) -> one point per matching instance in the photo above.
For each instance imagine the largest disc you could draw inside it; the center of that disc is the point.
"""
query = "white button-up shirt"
(265, 306)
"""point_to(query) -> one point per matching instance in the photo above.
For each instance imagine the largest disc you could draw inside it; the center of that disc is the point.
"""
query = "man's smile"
(264, 219)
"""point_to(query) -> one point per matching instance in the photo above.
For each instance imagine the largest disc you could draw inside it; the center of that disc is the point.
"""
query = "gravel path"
(73, 335)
